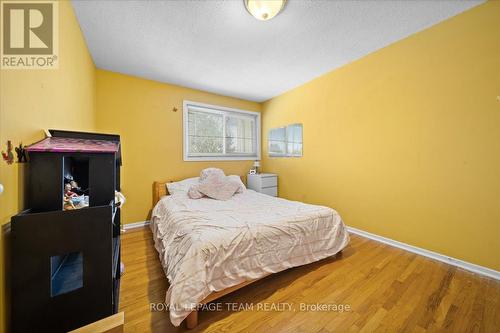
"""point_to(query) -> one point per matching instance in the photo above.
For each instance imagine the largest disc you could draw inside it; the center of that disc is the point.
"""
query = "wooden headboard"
(160, 189)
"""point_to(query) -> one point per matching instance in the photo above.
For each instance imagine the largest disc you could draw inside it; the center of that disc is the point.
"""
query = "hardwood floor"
(387, 289)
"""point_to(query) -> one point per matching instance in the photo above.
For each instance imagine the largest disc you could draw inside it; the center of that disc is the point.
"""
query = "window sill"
(222, 158)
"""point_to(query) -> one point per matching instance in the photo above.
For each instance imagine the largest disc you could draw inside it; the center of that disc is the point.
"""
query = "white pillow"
(215, 187)
(236, 178)
(182, 186)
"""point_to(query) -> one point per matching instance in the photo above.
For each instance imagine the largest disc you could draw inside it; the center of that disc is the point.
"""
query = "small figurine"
(8, 156)
(21, 154)
(68, 195)
(75, 188)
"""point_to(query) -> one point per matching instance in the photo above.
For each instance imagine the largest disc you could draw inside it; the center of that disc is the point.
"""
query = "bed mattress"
(207, 245)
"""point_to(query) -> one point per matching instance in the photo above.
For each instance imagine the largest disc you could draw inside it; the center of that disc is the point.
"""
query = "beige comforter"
(207, 245)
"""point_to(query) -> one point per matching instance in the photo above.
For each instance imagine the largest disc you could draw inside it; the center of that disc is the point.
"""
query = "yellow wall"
(35, 99)
(151, 134)
(405, 142)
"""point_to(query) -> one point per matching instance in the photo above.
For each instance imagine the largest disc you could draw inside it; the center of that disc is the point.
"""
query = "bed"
(209, 248)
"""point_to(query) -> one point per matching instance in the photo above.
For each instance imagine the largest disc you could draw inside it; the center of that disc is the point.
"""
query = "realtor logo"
(29, 35)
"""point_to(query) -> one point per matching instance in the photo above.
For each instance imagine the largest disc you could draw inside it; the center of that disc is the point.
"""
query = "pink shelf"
(70, 145)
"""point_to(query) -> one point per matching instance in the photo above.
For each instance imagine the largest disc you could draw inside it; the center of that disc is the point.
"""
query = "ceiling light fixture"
(264, 9)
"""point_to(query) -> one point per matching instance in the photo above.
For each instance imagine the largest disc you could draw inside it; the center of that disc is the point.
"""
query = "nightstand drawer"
(266, 183)
(272, 191)
(269, 181)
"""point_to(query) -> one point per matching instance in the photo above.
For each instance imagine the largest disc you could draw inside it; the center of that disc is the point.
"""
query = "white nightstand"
(266, 183)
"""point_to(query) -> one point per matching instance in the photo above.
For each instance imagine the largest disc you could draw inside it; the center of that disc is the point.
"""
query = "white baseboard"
(134, 225)
(433, 255)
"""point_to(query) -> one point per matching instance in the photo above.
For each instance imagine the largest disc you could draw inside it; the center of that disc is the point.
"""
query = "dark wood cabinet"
(65, 264)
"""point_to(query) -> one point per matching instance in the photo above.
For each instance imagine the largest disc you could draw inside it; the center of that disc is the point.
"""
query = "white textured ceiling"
(218, 47)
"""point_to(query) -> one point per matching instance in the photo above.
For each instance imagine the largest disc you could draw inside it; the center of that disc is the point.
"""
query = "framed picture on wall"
(277, 142)
(285, 141)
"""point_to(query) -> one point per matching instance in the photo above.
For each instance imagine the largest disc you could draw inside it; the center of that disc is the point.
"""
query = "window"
(219, 133)
(277, 141)
(285, 141)
(294, 140)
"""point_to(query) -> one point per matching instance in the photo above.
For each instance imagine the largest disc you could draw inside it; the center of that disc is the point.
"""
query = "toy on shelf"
(71, 199)
(21, 154)
(74, 185)
(67, 199)
(8, 156)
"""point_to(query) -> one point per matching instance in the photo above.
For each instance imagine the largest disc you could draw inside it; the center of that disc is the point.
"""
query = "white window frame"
(218, 110)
